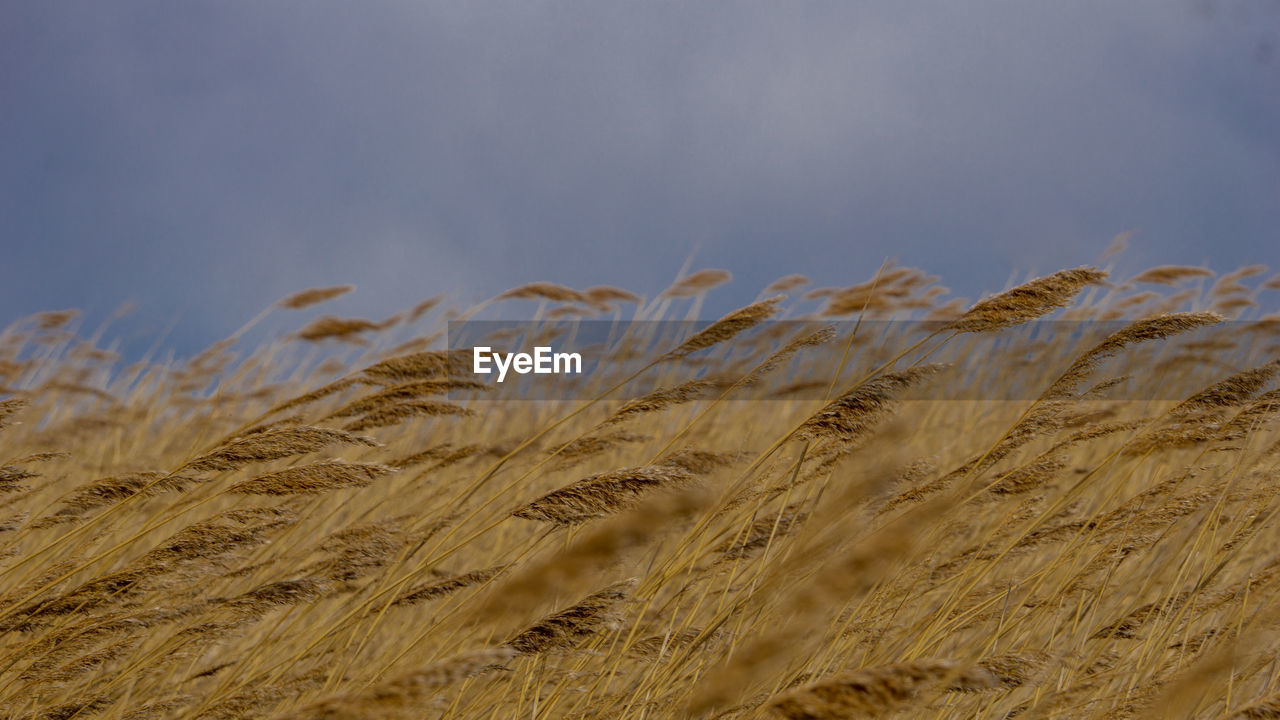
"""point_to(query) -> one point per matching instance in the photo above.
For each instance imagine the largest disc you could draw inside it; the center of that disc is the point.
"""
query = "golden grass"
(805, 521)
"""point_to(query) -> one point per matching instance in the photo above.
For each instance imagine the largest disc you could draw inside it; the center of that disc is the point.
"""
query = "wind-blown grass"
(808, 520)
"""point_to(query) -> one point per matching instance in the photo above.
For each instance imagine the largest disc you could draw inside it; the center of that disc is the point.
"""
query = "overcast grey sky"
(206, 158)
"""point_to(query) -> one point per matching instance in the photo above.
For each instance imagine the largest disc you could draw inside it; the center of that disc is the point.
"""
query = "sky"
(204, 159)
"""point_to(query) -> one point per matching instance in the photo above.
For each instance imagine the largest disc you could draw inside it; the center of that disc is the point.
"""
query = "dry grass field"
(343, 523)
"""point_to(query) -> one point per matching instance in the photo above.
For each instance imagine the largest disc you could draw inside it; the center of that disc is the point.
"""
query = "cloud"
(208, 159)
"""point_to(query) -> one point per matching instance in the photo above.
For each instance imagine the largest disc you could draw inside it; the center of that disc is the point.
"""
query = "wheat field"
(800, 510)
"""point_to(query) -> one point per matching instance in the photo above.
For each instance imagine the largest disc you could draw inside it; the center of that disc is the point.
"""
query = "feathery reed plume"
(11, 523)
(894, 288)
(329, 327)
(1044, 417)
(358, 550)
(1247, 271)
(111, 490)
(1200, 418)
(253, 701)
(280, 424)
(82, 706)
(210, 672)
(726, 327)
(274, 445)
(786, 283)
(1171, 274)
(602, 494)
(1153, 328)
(660, 399)
(1016, 669)
(701, 462)
(457, 668)
(573, 311)
(13, 596)
(448, 586)
(397, 413)
(87, 662)
(851, 416)
(1255, 415)
(876, 690)
(889, 276)
(1118, 245)
(1126, 628)
(543, 291)
(314, 296)
(11, 477)
(76, 389)
(698, 282)
(405, 391)
(1026, 302)
(761, 532)
(62, 646)
(281, 593)
(1233, 306)
(566, 629)
(603, 294)
(54, 319)
(448, 454)
(1047, 464)
(316, 477)
(39, 457)
(604, 544)
(222, 534)
(1123, 308)
(195, 550)
(655, 647)
(423, 365)
(948, 312)
(109, 588)
(336, 386)
(1030, 476)
(1229, 392)
(417, 311)
(818, 337)
(9, 408)
(576, 451)
(403, 693)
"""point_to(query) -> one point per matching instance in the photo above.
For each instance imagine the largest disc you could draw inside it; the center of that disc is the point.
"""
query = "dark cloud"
(208, 158)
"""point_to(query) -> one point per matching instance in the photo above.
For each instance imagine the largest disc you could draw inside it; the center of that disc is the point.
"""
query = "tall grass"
(820, 519)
